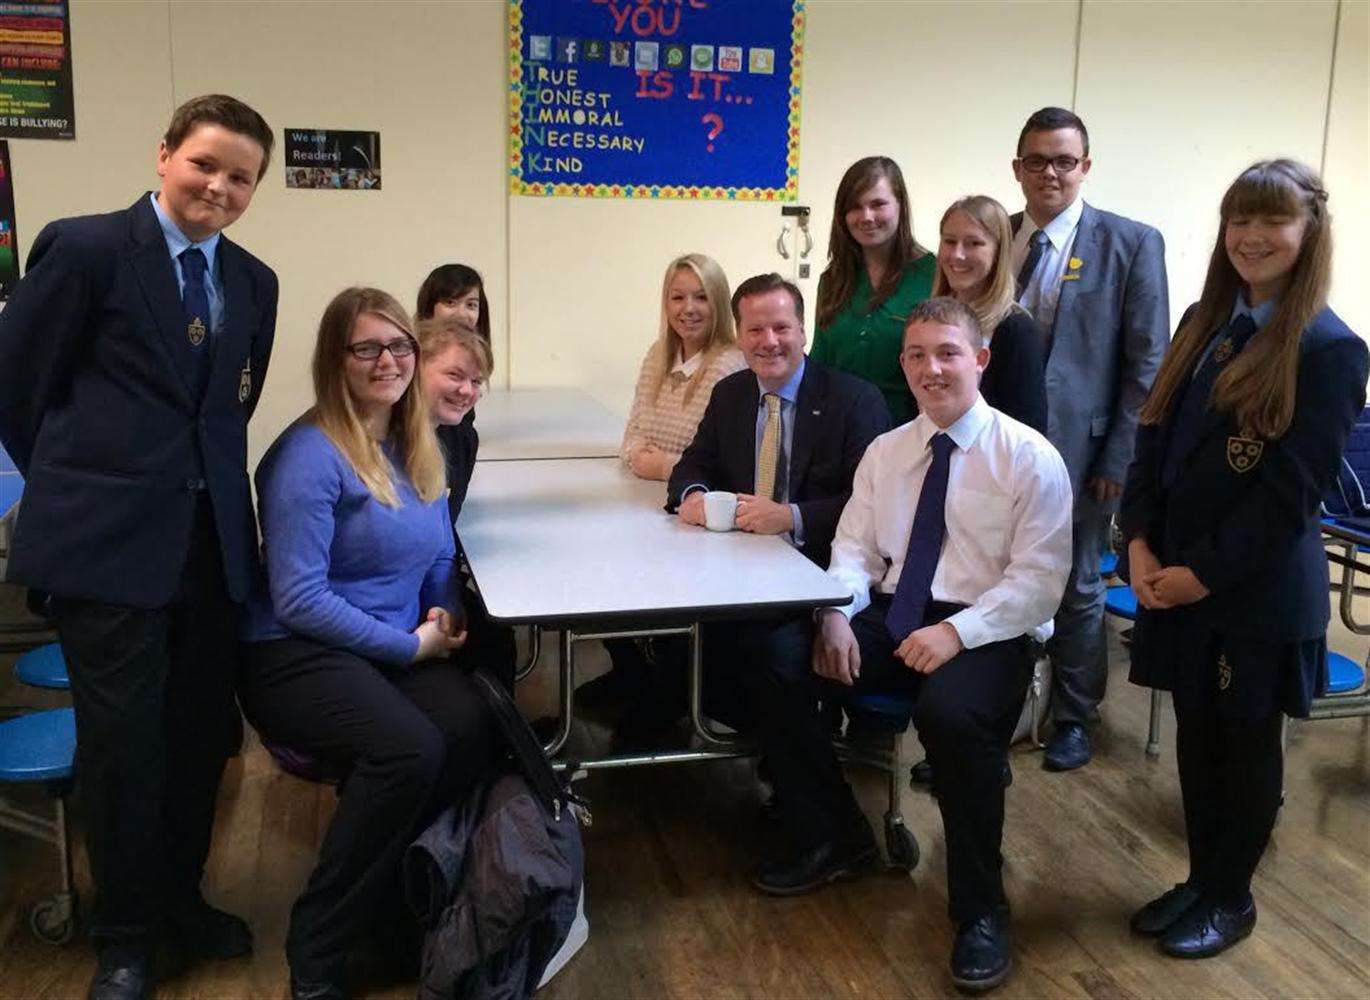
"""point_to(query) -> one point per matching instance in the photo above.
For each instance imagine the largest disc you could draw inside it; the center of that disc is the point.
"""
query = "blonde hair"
(437, 335)
(1257, 386)
(722, 335)
(335, 414)
(996, 301)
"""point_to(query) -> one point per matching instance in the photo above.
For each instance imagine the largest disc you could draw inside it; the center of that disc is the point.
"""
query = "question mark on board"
(715, 121)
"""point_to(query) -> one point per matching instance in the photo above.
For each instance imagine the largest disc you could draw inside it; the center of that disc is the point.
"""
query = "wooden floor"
(672, 914)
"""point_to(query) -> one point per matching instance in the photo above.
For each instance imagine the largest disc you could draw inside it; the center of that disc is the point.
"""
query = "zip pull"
(581, 811)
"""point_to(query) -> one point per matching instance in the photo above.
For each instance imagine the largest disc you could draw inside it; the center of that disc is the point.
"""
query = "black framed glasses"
(1035, 164)
(370, 350)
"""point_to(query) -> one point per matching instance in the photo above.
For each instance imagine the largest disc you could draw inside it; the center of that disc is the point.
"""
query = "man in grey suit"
(1096, 282)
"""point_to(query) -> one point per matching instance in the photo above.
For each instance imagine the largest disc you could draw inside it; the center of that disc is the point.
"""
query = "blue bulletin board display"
(694, 99)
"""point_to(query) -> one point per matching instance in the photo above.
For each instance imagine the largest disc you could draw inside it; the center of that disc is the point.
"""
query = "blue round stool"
(44, 667)
(1121, 601)
(1343, 674)
(38, 747)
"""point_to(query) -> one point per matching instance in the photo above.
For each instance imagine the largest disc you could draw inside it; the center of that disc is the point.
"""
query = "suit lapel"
(152, 265)
(808, 411)
(232, 342)
(1086, 235)
(746, 431)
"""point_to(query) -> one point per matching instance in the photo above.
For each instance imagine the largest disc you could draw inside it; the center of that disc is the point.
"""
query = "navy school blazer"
(105, 426)
(1243, 513)
(836, 416)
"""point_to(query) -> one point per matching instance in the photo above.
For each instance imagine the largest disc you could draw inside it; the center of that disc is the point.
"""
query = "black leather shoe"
(1208, 928)
(121, 977)
(1069, 748)
(608, 691)
(305, 989)
(1156, 917)
(204, 932)
(921, 773)
(982, 955)
(815, 868)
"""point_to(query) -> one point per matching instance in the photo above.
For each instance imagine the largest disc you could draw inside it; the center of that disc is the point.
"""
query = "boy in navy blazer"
(131, 356)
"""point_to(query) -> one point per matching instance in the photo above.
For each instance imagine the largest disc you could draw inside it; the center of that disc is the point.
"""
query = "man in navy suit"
(823, 420)
(1096, 282)
(131, 356)
(786, 436)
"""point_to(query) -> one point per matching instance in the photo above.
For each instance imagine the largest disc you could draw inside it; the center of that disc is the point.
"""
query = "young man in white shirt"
(956, 546)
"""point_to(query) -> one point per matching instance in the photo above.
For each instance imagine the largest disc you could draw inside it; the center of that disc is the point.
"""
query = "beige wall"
(1178, 97)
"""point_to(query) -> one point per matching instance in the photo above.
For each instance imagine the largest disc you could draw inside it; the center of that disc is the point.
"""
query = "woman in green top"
(876, 273)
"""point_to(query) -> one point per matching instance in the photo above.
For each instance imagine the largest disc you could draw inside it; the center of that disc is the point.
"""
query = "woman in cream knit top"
(694, 349)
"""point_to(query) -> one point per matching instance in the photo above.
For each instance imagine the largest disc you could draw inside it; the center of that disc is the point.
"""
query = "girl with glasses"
(349, 634)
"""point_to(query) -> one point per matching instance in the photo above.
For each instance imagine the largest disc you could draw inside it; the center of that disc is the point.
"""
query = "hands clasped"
(436, 639)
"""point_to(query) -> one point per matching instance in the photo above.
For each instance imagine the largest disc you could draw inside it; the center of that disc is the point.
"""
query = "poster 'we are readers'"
(655, 98)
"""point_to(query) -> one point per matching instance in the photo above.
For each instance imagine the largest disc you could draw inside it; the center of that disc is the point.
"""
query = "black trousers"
(1231, 777)
(416, 739)
(155, 722)
(489, 646)
(964, 712)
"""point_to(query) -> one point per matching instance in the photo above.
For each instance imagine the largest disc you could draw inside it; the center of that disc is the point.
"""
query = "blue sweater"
(342, 568)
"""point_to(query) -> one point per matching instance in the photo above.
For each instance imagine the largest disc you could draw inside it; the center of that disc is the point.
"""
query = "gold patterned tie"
(770, 449)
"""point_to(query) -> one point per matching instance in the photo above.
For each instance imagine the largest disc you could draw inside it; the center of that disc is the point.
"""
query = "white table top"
(554, 542)
(546, 423)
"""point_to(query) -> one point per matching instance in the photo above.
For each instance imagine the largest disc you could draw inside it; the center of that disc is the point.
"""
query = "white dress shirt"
(1006, 552)
(1041, 294)
(687, 368)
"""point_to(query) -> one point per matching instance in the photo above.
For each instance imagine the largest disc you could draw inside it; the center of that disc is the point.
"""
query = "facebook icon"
(568, 50)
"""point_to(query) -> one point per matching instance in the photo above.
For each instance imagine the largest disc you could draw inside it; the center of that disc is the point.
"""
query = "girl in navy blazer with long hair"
(1240, 437)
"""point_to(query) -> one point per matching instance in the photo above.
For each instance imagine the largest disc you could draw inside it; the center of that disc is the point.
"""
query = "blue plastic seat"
(44, 667)
(1121, 601)
(1108, 565)
(38, 747)
(1343, 674)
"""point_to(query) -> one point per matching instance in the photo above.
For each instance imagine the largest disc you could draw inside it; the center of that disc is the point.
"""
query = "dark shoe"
(305, 989)
(982, 955)
(1156, 917)
(921, 774)
(203, 932)
(1069, 748)
(1208, 928)
(121, 976)
(816, 867)
(607, 691)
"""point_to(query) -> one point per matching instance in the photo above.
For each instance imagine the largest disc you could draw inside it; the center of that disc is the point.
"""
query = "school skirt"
(1243, 677)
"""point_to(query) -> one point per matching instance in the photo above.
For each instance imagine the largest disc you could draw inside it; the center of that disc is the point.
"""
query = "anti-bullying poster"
(9, 245)
(35, 71)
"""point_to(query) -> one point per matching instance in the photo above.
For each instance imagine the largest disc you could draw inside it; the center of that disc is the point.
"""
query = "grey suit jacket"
(1111, 328)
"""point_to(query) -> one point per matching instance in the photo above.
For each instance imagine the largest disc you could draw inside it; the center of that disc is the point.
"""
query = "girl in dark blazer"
(1240, 437)
(974, 266)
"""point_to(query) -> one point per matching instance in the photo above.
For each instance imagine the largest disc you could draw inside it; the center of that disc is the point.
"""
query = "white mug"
(720, 508)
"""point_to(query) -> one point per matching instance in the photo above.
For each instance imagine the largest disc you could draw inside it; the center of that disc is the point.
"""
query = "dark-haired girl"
(876, 273)
(1240, 437)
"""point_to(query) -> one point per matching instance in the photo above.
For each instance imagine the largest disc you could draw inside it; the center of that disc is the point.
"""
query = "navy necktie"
(914, 590)
(195, 300)
(1034, 257)
(1195, 401)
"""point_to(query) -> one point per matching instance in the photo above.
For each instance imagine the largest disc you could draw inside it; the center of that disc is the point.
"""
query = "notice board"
(694, 99)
